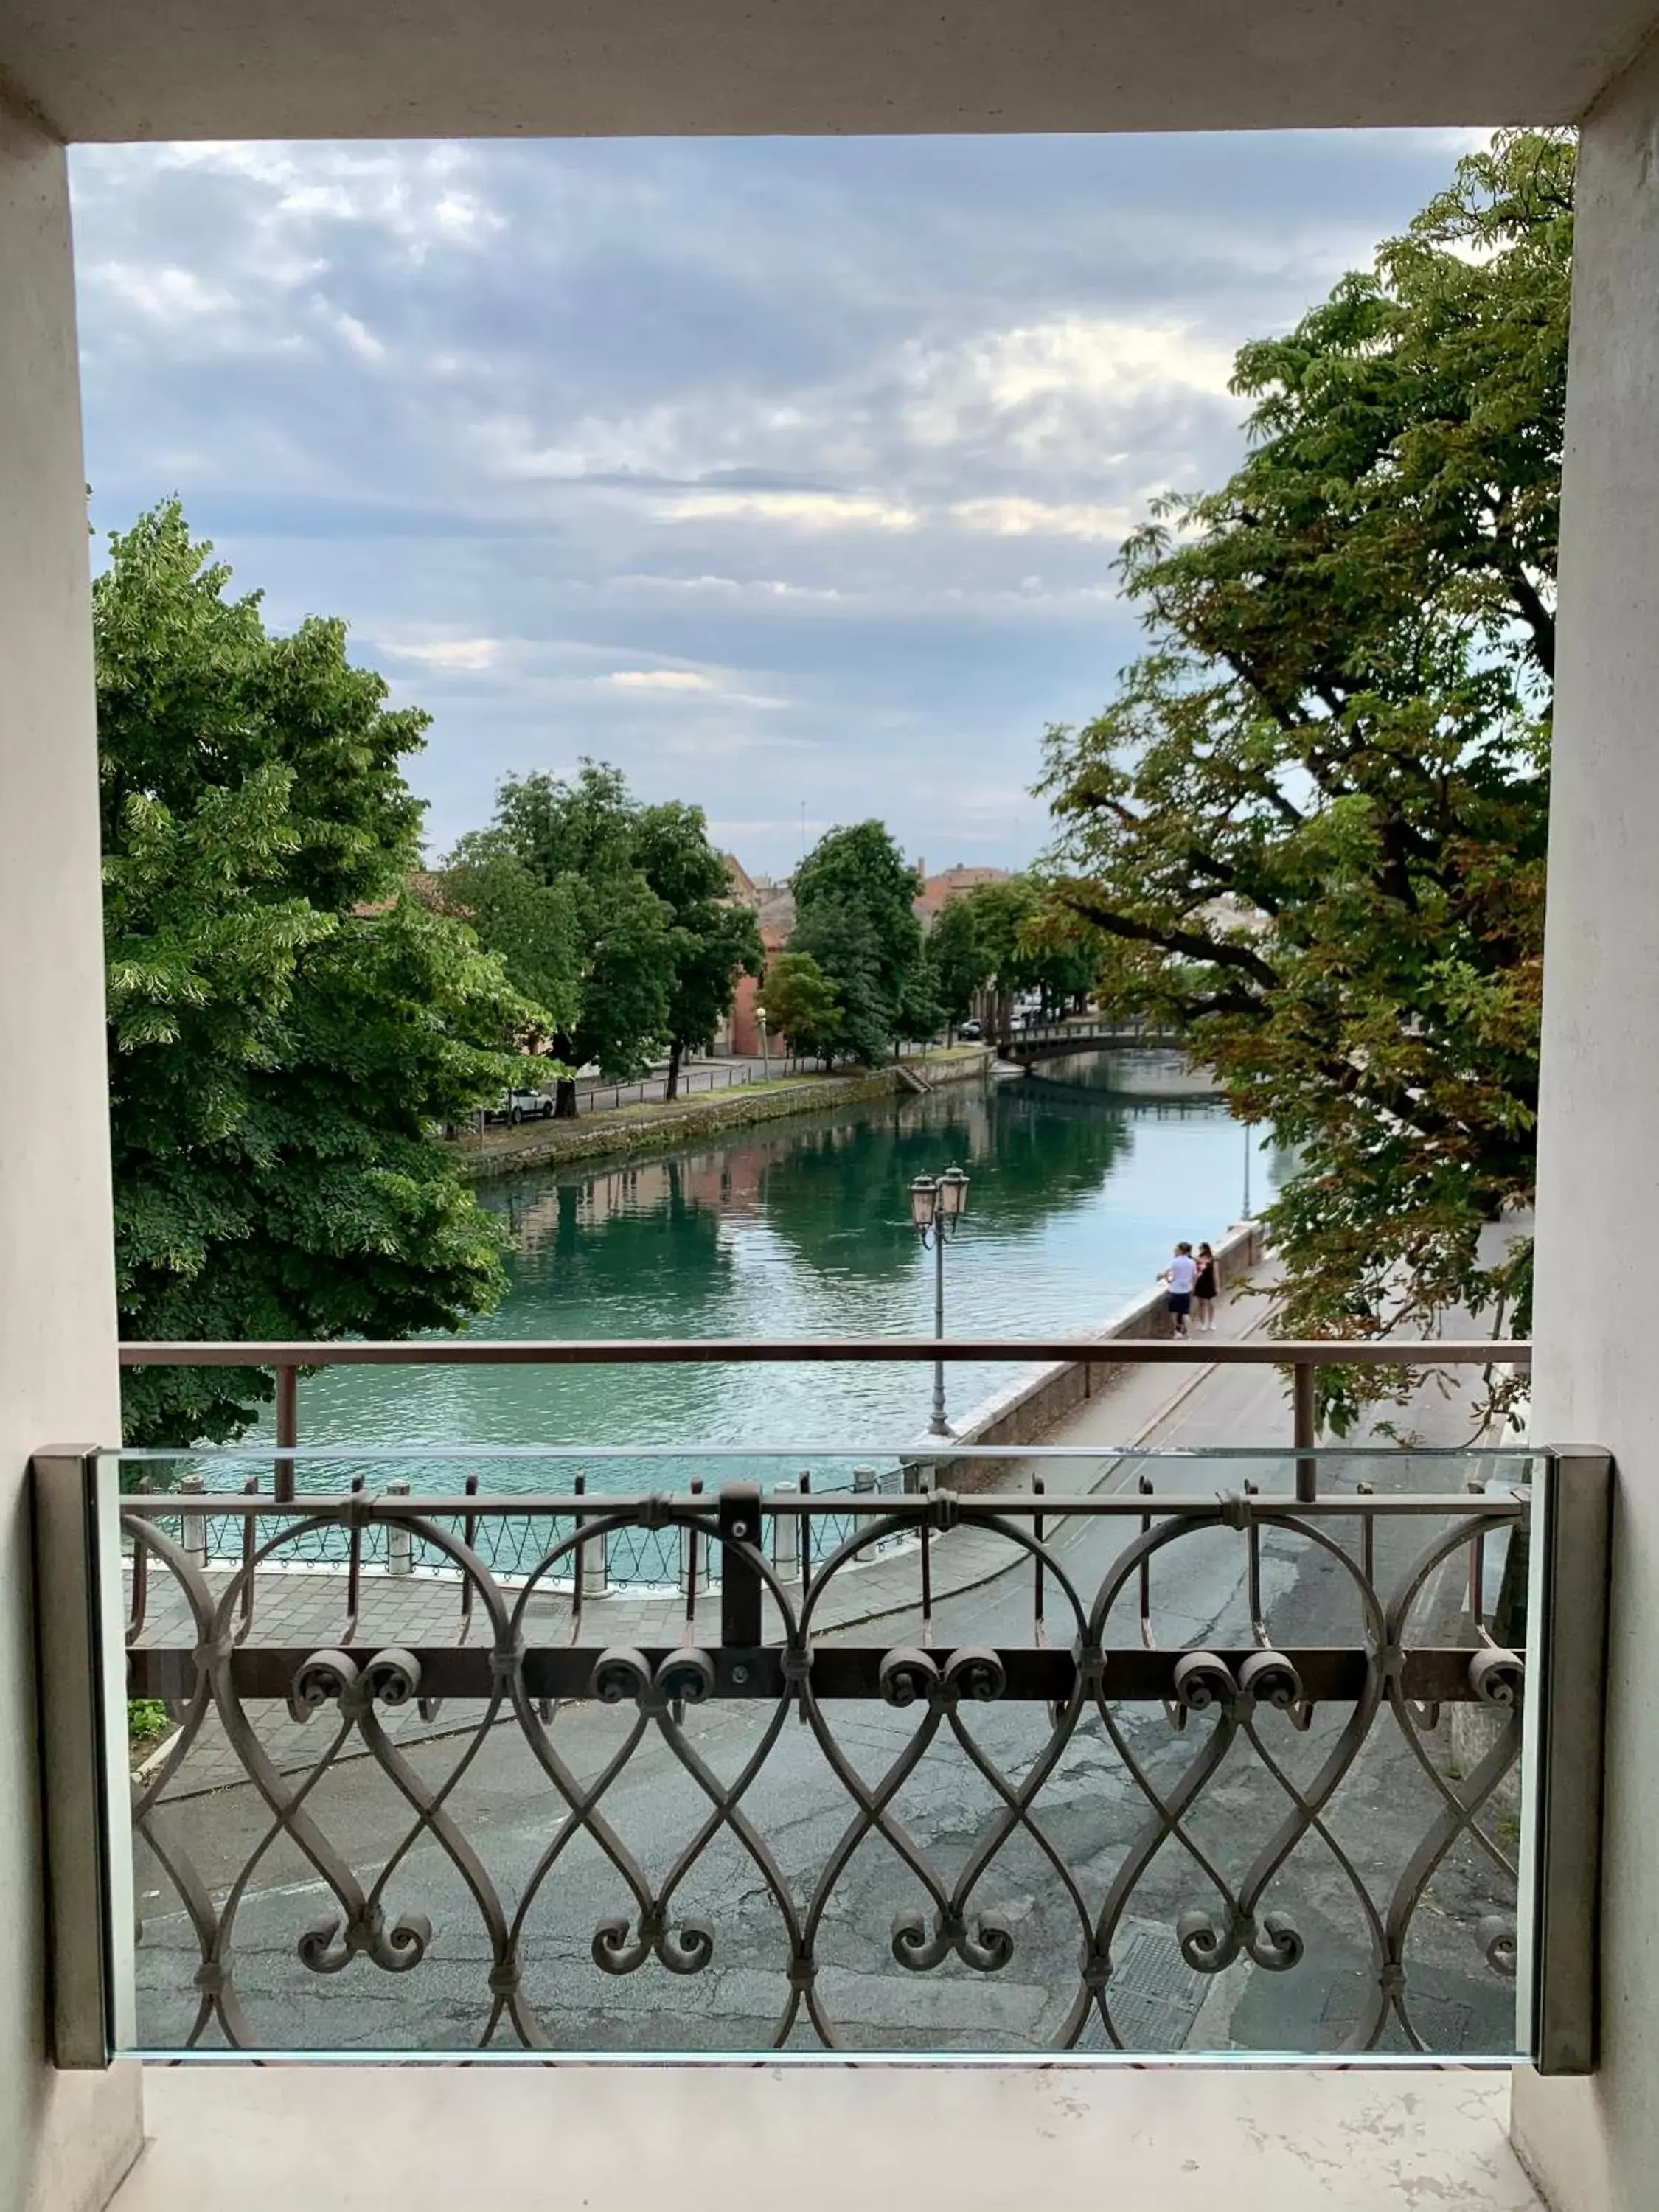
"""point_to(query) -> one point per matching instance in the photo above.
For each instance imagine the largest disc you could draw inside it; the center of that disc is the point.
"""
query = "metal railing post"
(690, 1542)
(1566, 1688)
(741, 1587)
(81, 1671)
(288, 1430)
(592, 1575)
(1306, 1429)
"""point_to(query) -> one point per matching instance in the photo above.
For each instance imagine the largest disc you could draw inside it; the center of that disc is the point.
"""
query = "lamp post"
(1247, 1137)
(937, 1205)
(766, 1057)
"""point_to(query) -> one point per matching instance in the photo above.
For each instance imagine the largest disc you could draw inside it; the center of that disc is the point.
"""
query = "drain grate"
(1154, 1994)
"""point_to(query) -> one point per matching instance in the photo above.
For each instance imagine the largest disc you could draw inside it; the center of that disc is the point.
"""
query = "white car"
(518, 1106)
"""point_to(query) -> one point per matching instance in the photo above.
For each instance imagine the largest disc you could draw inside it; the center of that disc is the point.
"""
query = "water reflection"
(803, 1229)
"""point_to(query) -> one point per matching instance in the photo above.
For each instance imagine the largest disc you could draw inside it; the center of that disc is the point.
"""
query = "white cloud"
(818, 446)
(1036, 518)
(801, 510)
(680, 683)
(1043, 369)
(162, 293)
(660, 680)
(359, 338)
(467, 654)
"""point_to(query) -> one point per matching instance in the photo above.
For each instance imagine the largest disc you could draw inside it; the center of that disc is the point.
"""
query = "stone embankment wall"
(1026, 1410)
(660, 1129)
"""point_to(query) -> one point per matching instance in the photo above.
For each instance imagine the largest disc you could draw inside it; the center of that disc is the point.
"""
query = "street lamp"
(766, 1060)
(937, 1205)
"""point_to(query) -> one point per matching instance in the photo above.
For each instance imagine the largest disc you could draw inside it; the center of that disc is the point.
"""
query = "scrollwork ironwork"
(1111, 1794)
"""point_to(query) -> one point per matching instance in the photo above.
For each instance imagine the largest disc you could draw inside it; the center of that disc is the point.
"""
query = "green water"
(802, 1228)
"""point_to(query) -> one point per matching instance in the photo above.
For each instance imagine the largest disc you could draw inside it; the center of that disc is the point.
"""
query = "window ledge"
(299, 2138)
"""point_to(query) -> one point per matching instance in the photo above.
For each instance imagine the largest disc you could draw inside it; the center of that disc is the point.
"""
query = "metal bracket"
(80, 1664)
(1567, 1671)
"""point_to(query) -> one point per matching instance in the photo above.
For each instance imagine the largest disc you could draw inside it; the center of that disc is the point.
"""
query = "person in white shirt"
(1181, 1274)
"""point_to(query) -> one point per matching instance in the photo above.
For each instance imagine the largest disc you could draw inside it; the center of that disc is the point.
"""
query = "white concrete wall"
(1596, 2144)
(63, 2139)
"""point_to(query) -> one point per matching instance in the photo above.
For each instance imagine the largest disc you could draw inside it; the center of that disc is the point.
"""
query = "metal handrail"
(644, 1352)
(1301, 1355)
(934, 1509)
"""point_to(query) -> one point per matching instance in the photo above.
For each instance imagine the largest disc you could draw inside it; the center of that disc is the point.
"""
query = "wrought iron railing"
(1189, 1766)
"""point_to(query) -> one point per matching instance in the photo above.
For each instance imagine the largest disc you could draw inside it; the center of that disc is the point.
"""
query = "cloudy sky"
(788, 475)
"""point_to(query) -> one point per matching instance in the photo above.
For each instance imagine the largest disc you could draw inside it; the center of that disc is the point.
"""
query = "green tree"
(842, 944)
(1030, 942)
(714, 941)
(961, 967)
(577, 835)
(801, 1005)
(855, 902)
(1310, 828)
(285, 1025)
(530, 925)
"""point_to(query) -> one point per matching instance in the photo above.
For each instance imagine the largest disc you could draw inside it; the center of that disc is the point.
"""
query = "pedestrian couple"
(1191, 1279)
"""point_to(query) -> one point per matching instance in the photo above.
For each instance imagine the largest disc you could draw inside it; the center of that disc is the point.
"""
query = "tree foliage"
(613, 916)
(839, 941)
(801, 1005)
(1029, 944)
(961, 964)
(1311, 827)
(530, 925)
(1007, 938)
(285, 1025)
(574, 837)
(712, 940)
(855, 906)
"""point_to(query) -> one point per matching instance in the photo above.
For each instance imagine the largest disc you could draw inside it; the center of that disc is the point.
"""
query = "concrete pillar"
(1594, 2143)
(65, 2139)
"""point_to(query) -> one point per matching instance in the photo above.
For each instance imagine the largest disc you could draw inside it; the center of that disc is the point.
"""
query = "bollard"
(399, 1537)
(785, 1539)
(596, 1565)
(865, 1478)
(192, 1526)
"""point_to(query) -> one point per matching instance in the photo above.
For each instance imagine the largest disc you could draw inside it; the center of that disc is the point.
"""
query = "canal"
(801, 1227)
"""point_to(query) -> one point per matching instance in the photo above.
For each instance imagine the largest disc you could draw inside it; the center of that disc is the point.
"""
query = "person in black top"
(1204, 1290)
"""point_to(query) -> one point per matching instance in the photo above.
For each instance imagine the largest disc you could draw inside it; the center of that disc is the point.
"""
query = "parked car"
(518, 1106)
(971, 1032)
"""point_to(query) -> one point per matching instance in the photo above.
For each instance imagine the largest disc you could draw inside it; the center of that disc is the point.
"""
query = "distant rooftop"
(953, 882)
